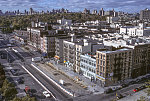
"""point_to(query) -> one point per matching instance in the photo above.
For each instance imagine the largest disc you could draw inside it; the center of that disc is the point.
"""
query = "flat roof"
(119, 50)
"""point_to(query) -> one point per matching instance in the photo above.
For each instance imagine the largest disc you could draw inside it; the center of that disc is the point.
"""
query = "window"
(103, 69)
(104, 57)
(103, 63)
(89, 69)
(100, 68)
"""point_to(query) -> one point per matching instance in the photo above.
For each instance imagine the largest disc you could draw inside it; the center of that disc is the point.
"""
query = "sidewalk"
(136, 96)
(84, 82)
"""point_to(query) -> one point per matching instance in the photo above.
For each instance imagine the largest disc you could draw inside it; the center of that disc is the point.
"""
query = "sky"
(75, 5)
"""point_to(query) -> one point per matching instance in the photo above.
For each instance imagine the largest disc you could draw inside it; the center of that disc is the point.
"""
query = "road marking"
(38, 82)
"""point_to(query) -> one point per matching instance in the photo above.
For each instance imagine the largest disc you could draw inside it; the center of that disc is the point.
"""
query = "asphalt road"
(108, 97)
(58, 93)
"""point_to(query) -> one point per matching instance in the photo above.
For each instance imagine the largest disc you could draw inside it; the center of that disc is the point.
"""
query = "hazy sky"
(75, 5)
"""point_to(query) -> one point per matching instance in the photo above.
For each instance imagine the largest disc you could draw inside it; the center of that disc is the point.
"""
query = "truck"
(36, 59)
(61, 81)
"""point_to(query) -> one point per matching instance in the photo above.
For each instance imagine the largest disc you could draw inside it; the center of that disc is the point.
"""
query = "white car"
(46, 94)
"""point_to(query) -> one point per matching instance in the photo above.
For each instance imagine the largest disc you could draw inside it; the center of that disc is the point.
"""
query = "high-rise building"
(145, 14)
(1, 13)
(112, 13)
(31, 11)
(101, 12)
(86, 11)
(94, 12)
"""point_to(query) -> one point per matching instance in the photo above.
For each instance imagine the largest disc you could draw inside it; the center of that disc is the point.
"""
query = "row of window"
(101, 56)
(101, 62)
(89, 62)
(87, 74)
(88, 68)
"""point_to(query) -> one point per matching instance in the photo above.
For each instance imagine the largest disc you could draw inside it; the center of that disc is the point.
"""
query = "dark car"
(124, 85)
(132, 82)
(109, 90)
(119, 96)
(14, 72)
(142, 87)
(19, 81)
(9, 79)
(138, 80)
(148, 76)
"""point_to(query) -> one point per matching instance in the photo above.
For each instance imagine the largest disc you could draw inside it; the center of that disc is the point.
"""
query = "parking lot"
(21, 79)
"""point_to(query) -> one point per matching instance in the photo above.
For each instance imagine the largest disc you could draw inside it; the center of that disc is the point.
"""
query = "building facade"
(140, 30)
(88, 66)
(141, 60)
(113, 66)
(59, 48)
(69, 54)
(145, 14)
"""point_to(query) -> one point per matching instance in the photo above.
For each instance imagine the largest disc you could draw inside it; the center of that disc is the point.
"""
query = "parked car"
(138, 80)
(19, 81)
(124, 85)
(139, 88)
(136, 90)
(132, 82)
(9, 79)
(14, 72)
(119, 96)
(46, 94)
(142, 87)
(116, 88)
(148, 76)
(109, 90)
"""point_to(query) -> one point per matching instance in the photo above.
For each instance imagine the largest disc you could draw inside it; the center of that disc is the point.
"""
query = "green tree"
(8, 90)
(10, 93)
(17, 99)
(25, 98)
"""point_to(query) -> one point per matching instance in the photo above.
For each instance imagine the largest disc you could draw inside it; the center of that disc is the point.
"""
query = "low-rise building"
(64, 22)
(88, 66)
(140, 30)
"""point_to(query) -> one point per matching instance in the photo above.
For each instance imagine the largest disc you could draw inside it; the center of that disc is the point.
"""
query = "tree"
(17, 99)
(8, 90)
(26, 98)
(10, 93)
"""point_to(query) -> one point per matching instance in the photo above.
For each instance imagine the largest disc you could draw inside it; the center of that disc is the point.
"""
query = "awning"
(57, 57)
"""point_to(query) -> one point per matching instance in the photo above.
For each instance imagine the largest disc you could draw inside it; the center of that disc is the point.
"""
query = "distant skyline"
(75, 5)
